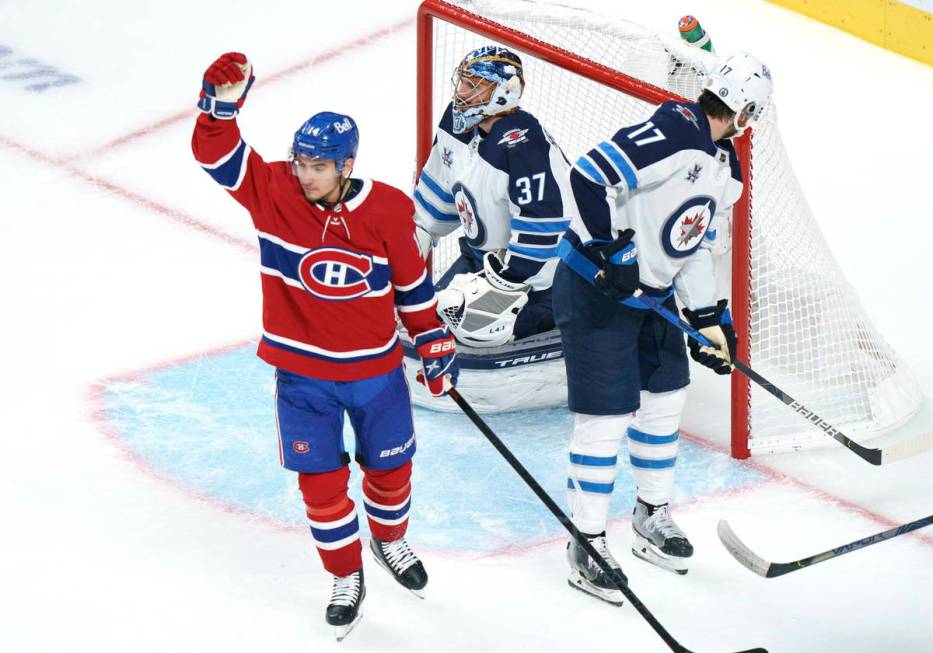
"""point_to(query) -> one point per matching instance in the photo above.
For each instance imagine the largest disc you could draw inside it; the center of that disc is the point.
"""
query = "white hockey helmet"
(744, 84)
(479, 314)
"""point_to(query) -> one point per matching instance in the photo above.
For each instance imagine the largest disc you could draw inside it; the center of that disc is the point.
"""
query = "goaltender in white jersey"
(496, 172)
(650, 202)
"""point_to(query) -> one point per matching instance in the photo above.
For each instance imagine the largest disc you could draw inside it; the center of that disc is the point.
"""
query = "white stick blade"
(745, 556)
(907, 448)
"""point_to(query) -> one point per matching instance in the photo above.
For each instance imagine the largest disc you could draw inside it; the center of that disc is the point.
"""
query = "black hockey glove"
(618, 263)
(715, 324)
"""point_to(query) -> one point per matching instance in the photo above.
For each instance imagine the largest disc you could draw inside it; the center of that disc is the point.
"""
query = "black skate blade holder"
(623, 587)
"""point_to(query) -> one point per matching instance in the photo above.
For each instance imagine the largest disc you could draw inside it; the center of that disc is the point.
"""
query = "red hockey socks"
(387, 499)
(332, 515)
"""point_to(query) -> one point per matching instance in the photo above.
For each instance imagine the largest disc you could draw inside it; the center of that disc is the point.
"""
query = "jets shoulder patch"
(513, 137)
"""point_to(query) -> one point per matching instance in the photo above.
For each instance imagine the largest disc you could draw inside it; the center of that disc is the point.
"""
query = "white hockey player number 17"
(656, 134)
(524, 186)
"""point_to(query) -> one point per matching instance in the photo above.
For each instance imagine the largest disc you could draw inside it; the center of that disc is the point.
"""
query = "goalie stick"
(753, 562)
(568, 524)
(882, 456)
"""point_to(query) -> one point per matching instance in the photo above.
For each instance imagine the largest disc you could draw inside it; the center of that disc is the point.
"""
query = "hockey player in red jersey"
(338, 259)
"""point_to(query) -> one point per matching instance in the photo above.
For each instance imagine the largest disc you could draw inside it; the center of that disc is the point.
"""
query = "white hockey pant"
(594, 452)
(652, 443)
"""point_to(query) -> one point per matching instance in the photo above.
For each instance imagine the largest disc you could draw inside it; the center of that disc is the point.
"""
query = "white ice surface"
(119, 258)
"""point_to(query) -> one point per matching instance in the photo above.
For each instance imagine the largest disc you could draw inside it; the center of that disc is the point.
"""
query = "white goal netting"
(808, 333)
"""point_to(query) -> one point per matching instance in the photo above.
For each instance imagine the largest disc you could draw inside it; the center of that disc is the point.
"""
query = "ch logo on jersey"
(473, 226)
(300, 446)
(684, 230)
(331, 273)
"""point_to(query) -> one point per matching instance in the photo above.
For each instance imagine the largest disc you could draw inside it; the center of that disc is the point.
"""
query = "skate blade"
(342, 631)
(644, 549)
(612, 597)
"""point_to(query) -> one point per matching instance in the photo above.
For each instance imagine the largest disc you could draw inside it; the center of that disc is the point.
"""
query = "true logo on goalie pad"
(685, 229)
(336, 274)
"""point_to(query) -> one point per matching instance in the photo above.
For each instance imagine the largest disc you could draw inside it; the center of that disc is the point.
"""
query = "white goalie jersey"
(666, 179)
(508, 189)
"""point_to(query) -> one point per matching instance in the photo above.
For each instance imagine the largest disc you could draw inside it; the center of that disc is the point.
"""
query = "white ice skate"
(586, 575)
(658, 539)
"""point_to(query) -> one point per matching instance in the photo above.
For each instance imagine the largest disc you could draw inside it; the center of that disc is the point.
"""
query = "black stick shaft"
(568, 524)
(781, 568)
(871, 455)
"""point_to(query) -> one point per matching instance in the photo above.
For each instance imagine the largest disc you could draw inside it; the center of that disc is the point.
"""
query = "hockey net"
(802, 325)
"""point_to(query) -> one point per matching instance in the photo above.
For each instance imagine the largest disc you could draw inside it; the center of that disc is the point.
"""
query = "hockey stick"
(568, 524)
(753, 562)
(888, 454)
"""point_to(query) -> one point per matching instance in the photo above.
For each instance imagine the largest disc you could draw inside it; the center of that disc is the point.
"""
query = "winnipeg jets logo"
(447, 157)
(690, 228)
(466, 215)
(473, 227)
(686, 227)
(513, 137)
(694, 174)
(336, 274)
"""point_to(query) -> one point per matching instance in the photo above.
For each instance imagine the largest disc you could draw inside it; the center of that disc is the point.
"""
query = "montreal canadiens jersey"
(332, 279)
(507, 189)
(666, 179)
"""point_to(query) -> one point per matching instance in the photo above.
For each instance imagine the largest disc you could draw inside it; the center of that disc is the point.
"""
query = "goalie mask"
(479, 313)
(488, 81)
(744, 84)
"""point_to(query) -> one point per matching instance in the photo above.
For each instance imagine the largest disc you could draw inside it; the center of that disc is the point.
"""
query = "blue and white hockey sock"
(594, 453)
(653, 442)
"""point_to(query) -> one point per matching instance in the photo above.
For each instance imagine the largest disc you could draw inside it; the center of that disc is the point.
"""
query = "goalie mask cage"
(800, 323)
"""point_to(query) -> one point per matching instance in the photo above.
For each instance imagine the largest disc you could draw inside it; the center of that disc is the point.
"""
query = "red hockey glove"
(225, 85)
(439, 369)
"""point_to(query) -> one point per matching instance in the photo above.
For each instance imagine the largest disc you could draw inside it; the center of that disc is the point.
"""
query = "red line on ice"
(265, 80)
(174, 214)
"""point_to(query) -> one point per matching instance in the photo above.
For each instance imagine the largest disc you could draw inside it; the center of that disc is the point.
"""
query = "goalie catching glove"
(439, 369)
(715, 324)
(225, 85)
(481, 307)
